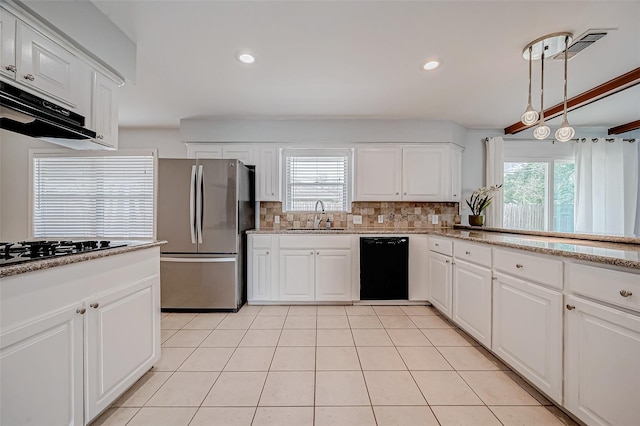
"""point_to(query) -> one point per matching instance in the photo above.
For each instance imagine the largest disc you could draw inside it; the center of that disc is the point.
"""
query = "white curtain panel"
(606, 187)
(494, 175)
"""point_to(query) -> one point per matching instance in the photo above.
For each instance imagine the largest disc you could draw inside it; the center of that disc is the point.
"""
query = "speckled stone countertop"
(626, 255)
(37, 265)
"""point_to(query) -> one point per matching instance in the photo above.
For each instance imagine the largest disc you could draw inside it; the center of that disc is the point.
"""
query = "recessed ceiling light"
(431, 64)
(246, 58)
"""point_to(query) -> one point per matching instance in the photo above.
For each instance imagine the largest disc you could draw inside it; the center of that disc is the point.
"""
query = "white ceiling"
(363, 59)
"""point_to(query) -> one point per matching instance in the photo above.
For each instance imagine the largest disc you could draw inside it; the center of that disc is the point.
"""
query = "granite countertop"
(37, 265)
(624, 254)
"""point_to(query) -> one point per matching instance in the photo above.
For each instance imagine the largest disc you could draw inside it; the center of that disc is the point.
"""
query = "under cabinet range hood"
(24, 113)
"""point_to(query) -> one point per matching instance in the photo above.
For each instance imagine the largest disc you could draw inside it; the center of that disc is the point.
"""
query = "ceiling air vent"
(583, 41)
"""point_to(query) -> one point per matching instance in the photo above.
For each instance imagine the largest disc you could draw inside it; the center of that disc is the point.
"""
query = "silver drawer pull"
(29, 77)
(625, 293)
(11, 68)
(467, 252)
(570, 307)
(437, 245)
(519, 266)
(446, 261)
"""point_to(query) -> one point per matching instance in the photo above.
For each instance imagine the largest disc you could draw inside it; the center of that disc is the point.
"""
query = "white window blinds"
(314, 176)
(93, 197)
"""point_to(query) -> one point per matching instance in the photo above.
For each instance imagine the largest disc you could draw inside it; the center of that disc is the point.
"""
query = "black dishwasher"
(384, 268)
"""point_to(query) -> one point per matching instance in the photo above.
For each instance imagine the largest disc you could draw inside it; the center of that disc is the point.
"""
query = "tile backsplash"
(395, 214)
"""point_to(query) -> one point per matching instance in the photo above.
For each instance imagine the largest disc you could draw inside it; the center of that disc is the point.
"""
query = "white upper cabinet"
(45, 65)
(427, 172)
(104, 110)
(378, 174)
(268, 174)
(7, 44)
(240, 152)
(456, 174)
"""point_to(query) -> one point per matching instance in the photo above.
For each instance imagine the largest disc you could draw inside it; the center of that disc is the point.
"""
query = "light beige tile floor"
(326, 365)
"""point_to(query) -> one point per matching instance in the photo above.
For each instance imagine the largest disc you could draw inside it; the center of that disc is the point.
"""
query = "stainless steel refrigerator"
(204, 208)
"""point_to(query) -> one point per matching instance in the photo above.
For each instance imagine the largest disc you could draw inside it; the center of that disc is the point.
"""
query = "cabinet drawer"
(534, 268)
(605, 284)
(261, 241)
(472, 253)
(441, 245)
(315, 241)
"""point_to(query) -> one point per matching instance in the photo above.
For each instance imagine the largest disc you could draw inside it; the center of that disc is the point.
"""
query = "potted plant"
(480, 200)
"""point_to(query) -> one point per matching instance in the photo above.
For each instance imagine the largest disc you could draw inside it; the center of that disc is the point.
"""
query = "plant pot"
(476, 220)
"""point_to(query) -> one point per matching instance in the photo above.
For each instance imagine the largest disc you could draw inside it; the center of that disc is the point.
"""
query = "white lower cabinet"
(67, 365)
(122, 341)
(297, 275)
(333, 275)
(440, 274)
(602, 376)
(527, 331)
(315, 275)
(471, 306)
(260, 275)
(41, 370)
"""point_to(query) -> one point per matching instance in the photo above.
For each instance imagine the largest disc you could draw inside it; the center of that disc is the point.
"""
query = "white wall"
(167, 141)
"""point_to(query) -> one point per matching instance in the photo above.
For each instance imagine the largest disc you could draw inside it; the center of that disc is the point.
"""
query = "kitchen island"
(76, 332)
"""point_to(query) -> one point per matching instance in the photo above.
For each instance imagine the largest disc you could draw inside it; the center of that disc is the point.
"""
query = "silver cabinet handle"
(397, 193)
(467, 252)
(273, 193)
(446, 261)
(94, 305)
(11, 68)
(519, 266)
(317, 252)
(311, 252)
(100, 136)
(267, 252)
(494, 278)
(455, 195)
(405, 193)
(570, 307)
(437, 245)
(29, 77)
(81, 311)
(625, 293)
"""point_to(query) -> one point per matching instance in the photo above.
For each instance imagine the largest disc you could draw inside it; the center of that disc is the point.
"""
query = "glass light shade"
(530, 116)
(565, 132)
(541, 132)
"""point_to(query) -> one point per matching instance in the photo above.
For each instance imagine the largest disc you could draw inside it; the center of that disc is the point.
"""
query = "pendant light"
(542, 131)
(530, 116)
(565, 132)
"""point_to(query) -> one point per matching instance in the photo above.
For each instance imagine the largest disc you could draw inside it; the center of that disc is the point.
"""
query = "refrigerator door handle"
(197, 260)
(200, 203)
(192, 205)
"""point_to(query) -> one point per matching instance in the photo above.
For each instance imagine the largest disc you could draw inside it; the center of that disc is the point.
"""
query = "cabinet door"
(426, 173)
(41, 371)
(333, 275)
(105, 110)
(242, 153)
(7, 44)
(527, 331)
(260, 274)
(378, 174)
(122, 341)
(602, 379)
(440, 282)
(204, 151)
(472, 300)
(297, 275)
(44, 64)
(268, 175)
(456, 174)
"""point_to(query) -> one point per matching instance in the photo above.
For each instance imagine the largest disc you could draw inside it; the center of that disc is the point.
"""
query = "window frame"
(39, 153)
(550, 183)
(318, 152)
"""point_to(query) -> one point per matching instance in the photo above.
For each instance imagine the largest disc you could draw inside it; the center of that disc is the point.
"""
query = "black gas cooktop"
(28, 251)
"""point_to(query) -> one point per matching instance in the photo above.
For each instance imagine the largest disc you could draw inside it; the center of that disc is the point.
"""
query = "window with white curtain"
(93, 196)
(312, 175)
